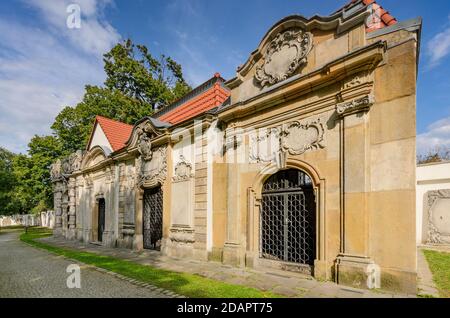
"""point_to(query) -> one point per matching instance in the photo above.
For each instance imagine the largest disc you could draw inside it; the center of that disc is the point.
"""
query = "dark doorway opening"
(101, 219)
(153, 218)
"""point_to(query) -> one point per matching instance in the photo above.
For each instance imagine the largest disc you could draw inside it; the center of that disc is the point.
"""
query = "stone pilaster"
(234, 250)
(71, 217)
(200, 202)
(354, 267)
(57, 197)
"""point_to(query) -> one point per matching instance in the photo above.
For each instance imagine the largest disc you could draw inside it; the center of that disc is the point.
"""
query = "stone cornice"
(363, 59)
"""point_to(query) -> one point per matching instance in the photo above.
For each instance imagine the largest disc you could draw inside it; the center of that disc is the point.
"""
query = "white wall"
(99, 138)
(433, 176)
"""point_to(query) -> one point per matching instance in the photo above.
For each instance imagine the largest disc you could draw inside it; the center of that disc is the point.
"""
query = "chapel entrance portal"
(152, 218)
(101, 219)
(288, 218)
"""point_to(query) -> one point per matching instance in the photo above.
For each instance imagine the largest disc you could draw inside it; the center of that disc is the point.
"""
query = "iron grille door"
(152, 218)
(288, 218)
(101, 219)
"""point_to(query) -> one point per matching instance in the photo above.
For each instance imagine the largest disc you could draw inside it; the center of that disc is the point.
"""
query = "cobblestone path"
(29, 272)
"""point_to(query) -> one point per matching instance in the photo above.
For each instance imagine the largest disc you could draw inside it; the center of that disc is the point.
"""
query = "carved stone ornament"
(150, 173)
(145, 147)
(75, 160)
(183, 170)
(355, 106)
(438, 233)
(294, 138)
(56, 171)
(284, 55)
(297, 137)
(182, 235)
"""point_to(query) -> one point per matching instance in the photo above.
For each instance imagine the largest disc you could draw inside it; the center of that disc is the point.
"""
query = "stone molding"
(286, 53)
(355, 106)
(434, 235)
(183, 170)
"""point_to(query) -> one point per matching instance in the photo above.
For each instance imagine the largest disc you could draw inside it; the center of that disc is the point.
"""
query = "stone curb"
(135, 282)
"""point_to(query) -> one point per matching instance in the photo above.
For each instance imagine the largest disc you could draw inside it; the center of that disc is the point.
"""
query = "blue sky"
(44, 65)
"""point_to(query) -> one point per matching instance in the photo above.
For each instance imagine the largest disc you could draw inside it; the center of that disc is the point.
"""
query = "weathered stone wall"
(45, 219)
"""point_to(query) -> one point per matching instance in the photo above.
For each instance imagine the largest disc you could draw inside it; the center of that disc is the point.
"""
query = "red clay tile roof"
(210, 94)
(379, 19)
(116, 132)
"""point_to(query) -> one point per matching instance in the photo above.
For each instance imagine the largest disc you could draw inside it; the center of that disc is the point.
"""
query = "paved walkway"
(285, 283)
(29, 272)
(425, 283)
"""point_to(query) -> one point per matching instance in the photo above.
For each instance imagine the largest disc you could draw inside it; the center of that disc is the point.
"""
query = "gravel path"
(29, 272)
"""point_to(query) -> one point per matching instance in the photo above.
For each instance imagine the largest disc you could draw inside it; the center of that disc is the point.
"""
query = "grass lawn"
(189, 285)
(439, 263)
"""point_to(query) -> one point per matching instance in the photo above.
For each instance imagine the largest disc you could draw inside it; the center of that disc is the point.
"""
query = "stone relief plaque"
(150, 172)
(183, 170)
(265, 146)
(294, 138)
(438, 207)
(284, 55)
(300, 137)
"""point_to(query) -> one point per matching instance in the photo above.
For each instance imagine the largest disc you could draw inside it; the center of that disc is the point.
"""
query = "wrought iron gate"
(101, 219)
(287, 225)
(152, 218)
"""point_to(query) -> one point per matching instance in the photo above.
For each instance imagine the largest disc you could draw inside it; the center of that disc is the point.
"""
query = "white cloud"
(437, 136)
(95, 36)
(43, 69)
(439, 47)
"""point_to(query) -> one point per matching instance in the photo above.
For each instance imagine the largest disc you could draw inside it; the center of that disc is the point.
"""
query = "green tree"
(133, 70)
(7, 182)
(33, 189)
(136, 85)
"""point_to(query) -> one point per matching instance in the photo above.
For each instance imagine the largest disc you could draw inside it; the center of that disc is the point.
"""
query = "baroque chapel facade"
(305, 161)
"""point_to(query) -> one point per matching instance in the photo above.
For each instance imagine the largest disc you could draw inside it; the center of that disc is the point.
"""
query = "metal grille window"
(288, 218)
(152, 218)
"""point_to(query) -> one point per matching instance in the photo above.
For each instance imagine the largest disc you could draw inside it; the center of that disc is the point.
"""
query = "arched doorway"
(152, 218)
(101, 219)
(288, 218)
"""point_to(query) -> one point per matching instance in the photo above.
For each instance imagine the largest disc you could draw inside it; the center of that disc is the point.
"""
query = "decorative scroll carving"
(264, 148)
(183, 170)
(154, 171)
(355, 106)
(435, 234)
(298, 137)
(284, 55)
(294, 138)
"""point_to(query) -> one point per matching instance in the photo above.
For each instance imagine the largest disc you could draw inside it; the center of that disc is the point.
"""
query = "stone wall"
(45, 219)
